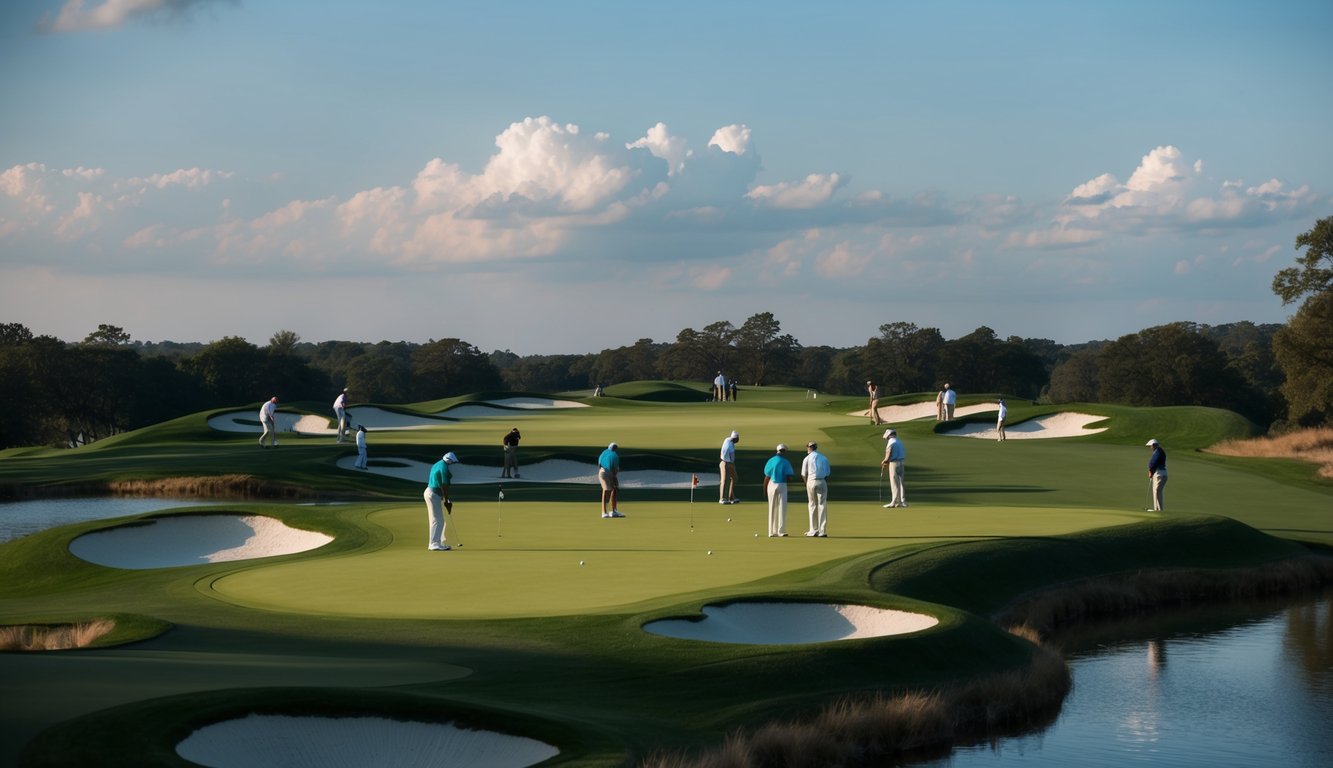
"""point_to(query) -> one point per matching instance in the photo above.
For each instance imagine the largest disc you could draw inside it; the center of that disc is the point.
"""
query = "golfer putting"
(608, 474)
(437, 497)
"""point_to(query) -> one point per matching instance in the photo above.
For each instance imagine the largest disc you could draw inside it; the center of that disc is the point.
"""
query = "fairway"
(534, 623)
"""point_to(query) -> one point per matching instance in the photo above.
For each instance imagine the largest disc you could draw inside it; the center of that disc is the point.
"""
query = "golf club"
(881, 483)
(1149, 508)
(499, 519)
(449, 511)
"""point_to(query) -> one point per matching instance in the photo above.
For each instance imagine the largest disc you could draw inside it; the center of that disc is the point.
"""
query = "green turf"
(510, 629)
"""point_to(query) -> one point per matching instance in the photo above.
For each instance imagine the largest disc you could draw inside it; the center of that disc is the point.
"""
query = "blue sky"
(565, 177)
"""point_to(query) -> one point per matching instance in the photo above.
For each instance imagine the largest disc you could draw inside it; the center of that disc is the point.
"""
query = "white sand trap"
(536, 403)
(1055, 425)
(891, 414)
(314, 424)
(193, 540)
(270, 741)
(790, 623)
(551, 471)
(509, 406)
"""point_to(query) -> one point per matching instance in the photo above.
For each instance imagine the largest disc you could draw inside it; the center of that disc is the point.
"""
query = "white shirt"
(268, 411)
(341, 402)
(1004, 411)
(360, 439)
(815, 466)
(728, 450)
(950, 397)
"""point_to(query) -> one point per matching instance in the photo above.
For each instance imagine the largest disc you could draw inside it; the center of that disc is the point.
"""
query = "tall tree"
(903, 357)
(451, 367)
(231, 371)
(1304, 349)
(107, 336)
(762, 349)
(283, 342)
(1315, 273)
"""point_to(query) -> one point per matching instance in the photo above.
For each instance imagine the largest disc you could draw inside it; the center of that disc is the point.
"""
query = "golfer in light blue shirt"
(776, 474)
(815, 469)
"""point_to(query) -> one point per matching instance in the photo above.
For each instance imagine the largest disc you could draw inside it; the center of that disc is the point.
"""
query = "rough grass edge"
(58, 637)
(233, 486)
(1314, 445)
(871, 730)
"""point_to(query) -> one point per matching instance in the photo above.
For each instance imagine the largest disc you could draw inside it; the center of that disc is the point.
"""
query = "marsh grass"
(59, 637)
(885, 727)
(1044, 615)
(1314, 445)
(218, 487)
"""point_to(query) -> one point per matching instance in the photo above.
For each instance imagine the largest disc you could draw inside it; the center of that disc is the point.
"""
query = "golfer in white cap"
(268, 419)
(608, 474)
(437, 496)
(894, 456)
(340, 410)
(776, 474)
(726, 469)
(1157, 473)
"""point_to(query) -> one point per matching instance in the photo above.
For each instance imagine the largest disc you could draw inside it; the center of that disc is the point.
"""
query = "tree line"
(65, 394)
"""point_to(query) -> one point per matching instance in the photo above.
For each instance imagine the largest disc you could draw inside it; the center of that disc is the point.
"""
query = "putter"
(449, 512)
(881, 483)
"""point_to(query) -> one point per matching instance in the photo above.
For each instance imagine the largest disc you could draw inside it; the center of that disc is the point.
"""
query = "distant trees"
(1304, 346)
(451, 367)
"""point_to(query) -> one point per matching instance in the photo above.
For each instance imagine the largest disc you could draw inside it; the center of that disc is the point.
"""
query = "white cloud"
(1052, 238)
(542, 160)
(812, 191)
(731, 138)
(78, 15)
(841, 262)
(659, 141)
(709, 278)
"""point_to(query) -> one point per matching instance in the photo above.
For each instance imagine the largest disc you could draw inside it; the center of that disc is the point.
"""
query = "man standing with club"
(776, 474)
(894, 456)
(608, 474)
(340, 410)
(999, 420)
(815, 469)
(268, 419)
(726, 469)
(437, 496)
(1157, 473)
(510, 443)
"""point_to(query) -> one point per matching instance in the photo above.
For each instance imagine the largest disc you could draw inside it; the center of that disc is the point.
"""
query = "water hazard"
(21, 518)
(1244, 686)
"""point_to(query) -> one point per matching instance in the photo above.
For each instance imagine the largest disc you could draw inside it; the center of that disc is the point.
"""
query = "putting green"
(528, 563)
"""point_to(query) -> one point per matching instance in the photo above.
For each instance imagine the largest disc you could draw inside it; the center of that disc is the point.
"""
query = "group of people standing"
(723, 388)
(268, 419)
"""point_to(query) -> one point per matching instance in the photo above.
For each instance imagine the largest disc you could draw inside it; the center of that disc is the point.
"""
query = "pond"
(21, 518)
(1245, 685)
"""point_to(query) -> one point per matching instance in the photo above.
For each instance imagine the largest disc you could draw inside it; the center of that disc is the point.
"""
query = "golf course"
(304, 594)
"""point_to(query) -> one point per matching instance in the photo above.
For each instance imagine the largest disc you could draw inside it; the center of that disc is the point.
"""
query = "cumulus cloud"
(659, 141)
(842, 261)
(812, 191)
(732, 138)
(79, 15)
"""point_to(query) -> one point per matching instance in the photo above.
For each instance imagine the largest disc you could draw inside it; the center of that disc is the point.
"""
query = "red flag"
(695, 479)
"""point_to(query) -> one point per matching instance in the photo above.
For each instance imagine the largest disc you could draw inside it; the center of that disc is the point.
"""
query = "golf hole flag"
(694, 479)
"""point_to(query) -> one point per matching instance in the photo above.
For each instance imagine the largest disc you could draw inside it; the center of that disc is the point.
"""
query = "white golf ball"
(580, 562)
(728, 519)
(756, 535)
(710, 551)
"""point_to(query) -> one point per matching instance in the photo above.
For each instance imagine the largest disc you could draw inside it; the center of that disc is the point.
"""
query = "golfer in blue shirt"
(608, 474)
(776, 474)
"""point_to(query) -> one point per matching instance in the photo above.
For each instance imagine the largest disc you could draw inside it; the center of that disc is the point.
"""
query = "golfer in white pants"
(361, 462)
(437, 501)
(340, 410)
(268, 417)
(894, 456)
(776, 474)
(815, 469)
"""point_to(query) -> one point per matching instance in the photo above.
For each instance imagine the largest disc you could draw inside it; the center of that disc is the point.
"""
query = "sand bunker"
(892, 414)
(790, 623)
(261, 741)
(1055, 425)
(378, 418)
(193, 540)
(551, 471)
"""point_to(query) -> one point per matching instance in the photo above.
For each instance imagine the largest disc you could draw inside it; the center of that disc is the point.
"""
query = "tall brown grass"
(59, 637)
(215, 487)
(885, 727)
(1314, 445)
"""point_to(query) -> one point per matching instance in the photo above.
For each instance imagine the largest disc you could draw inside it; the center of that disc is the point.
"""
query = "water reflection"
(23, 518)
(1246, 685)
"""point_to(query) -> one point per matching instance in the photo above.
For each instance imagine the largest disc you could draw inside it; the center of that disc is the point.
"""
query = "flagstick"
(499, 514)
(694, 480)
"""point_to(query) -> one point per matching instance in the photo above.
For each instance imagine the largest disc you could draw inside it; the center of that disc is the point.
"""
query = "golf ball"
(710, 551)
(580, 562)
(728, 519)
(756, 535)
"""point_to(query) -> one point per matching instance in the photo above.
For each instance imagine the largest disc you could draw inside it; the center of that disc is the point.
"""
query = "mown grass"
(511, 623)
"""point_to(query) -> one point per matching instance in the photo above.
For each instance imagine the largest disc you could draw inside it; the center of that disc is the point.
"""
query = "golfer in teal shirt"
(608, 474)
(776, 474)
(437, 500)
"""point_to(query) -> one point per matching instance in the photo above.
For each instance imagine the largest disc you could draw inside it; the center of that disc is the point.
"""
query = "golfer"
(437, 495)
(894, 456)
(268, 419)
(950, 400)
(726, 469)
(873, 390)
(999, 420)
(361, 462)
(510, 443)
(815, 469)
(1157, 473)
(608, 474)
(720, 387)
(776, 474)
(340, 410)
(939, 404)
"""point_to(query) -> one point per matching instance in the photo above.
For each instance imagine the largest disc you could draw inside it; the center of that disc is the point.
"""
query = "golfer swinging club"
(437, 495)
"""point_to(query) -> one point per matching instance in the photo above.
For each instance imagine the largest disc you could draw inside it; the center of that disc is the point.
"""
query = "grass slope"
(511, 632)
